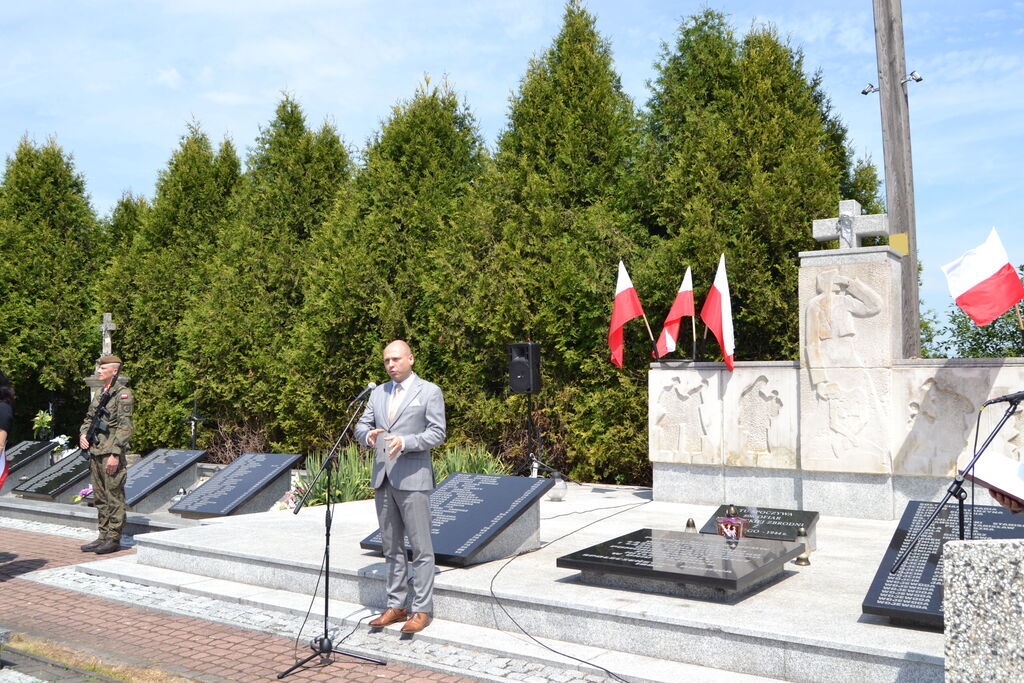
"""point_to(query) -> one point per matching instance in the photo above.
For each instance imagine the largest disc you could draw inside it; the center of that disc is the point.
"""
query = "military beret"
(103, 360)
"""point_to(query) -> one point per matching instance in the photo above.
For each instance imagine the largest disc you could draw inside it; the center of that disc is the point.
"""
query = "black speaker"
(524, 367)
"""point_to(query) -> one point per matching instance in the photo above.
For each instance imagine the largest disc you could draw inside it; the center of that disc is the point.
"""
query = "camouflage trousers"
(108, 496)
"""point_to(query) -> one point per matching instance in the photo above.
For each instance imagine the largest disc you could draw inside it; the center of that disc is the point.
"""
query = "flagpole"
(1020, 321)
(654, 344)
(693, 324)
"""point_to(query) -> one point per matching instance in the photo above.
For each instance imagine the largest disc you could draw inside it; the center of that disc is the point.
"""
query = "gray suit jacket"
(420, 422)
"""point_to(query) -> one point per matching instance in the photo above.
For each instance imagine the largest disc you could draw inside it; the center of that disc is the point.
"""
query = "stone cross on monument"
(851, 227)
(106, 328)
(93, 382)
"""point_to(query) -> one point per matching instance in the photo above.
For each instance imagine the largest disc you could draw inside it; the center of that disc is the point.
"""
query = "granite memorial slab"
(914, 595)
(479, 518)
(156, 478)
(777, 524)
(254, 482)
(683, 564)
(60, 482)
(25, 461)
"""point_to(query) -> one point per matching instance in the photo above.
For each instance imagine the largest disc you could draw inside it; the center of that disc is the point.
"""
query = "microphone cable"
(519, 626)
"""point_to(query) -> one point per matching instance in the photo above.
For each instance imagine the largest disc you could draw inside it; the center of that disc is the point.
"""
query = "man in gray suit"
(403, 420)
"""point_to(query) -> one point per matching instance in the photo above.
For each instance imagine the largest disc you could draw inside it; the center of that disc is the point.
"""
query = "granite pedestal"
(984, 586)
(61, 482)
(155, 479)
(252, 483)
(479, 518)
(683, 564)
(26, 460)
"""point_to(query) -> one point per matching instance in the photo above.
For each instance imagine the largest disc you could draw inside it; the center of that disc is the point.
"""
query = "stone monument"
(854, 427)
(106, 348)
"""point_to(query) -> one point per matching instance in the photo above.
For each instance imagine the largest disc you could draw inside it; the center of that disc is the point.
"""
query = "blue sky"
(117, 82)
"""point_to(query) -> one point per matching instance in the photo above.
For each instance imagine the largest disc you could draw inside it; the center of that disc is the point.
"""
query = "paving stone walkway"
(193, 648)
(199, 638)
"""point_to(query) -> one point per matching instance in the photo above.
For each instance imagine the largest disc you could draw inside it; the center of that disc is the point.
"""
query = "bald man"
(403, 420)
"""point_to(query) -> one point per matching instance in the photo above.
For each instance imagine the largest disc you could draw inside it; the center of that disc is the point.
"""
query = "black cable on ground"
(497, 601)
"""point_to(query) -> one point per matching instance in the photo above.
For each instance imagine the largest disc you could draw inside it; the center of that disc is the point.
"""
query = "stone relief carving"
(758, 409)
(682, 421)
(1010, 440)
(1015, 438)
(838, 375)
(940, 421)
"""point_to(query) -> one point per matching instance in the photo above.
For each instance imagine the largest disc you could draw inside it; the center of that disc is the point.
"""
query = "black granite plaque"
(228, 490)
(467, 511)
(778, 524)
(914, 594)
(56, 479)
(157, 468)
(27, 451)
(688, 558)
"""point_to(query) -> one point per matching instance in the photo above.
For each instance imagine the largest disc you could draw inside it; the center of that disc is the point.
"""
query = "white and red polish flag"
(5, 469)
(625, 307)
(983, 282)
(717, 314)
(682, 306)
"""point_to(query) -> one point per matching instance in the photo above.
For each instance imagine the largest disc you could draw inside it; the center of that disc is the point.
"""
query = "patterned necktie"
(395, 401)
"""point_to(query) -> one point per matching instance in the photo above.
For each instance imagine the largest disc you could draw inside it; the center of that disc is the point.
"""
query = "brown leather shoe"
(417, 622)
(391, 615)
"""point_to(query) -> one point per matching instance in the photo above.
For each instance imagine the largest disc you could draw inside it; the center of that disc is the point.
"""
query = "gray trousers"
(401, 514)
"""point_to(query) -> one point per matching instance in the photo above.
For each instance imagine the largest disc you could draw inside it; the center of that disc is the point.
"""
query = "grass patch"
(55, 652)
(351, 478)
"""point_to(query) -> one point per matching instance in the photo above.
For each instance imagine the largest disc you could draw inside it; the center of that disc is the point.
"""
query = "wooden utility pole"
(899, 171)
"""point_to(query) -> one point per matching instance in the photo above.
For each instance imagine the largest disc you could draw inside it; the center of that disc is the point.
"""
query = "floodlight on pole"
(912, 76)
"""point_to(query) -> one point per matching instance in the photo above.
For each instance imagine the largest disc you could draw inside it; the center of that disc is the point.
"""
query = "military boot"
(110, 545)
(91, 547)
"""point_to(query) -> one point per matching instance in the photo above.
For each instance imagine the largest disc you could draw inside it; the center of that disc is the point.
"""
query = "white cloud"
(169, 77)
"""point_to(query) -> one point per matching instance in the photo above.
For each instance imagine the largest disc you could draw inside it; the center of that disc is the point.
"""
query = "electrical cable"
(583, 512)
(314, 597)
(362, 618)
(312, 601)
(497, 601)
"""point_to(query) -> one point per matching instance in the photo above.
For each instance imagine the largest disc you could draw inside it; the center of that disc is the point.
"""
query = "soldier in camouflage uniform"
(107, 457)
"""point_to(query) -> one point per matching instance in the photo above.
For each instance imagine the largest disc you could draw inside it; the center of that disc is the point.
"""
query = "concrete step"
(347, 615)
(84, 517)
(806, 626)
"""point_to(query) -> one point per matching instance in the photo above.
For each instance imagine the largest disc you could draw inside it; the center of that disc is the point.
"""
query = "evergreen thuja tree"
(119, 228)
(236, 332)
(150, 282)
(742, 153)
(380, 261)
(49, 237)
(560, 225)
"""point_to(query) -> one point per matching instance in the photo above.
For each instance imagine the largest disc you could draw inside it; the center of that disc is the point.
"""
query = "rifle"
(102, 413)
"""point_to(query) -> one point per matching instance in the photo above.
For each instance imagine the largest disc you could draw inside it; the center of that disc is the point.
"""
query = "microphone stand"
(323, 647)
(955, 489)
(536, 463)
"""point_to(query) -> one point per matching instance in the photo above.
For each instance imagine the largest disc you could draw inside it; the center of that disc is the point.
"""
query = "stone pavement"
(206, 639)
(138, 635)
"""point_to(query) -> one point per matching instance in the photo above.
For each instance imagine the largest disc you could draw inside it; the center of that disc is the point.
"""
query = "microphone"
(369, 387)
(1012, 398)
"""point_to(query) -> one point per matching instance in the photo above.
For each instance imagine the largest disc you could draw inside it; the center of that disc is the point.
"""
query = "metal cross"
(194, 421)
